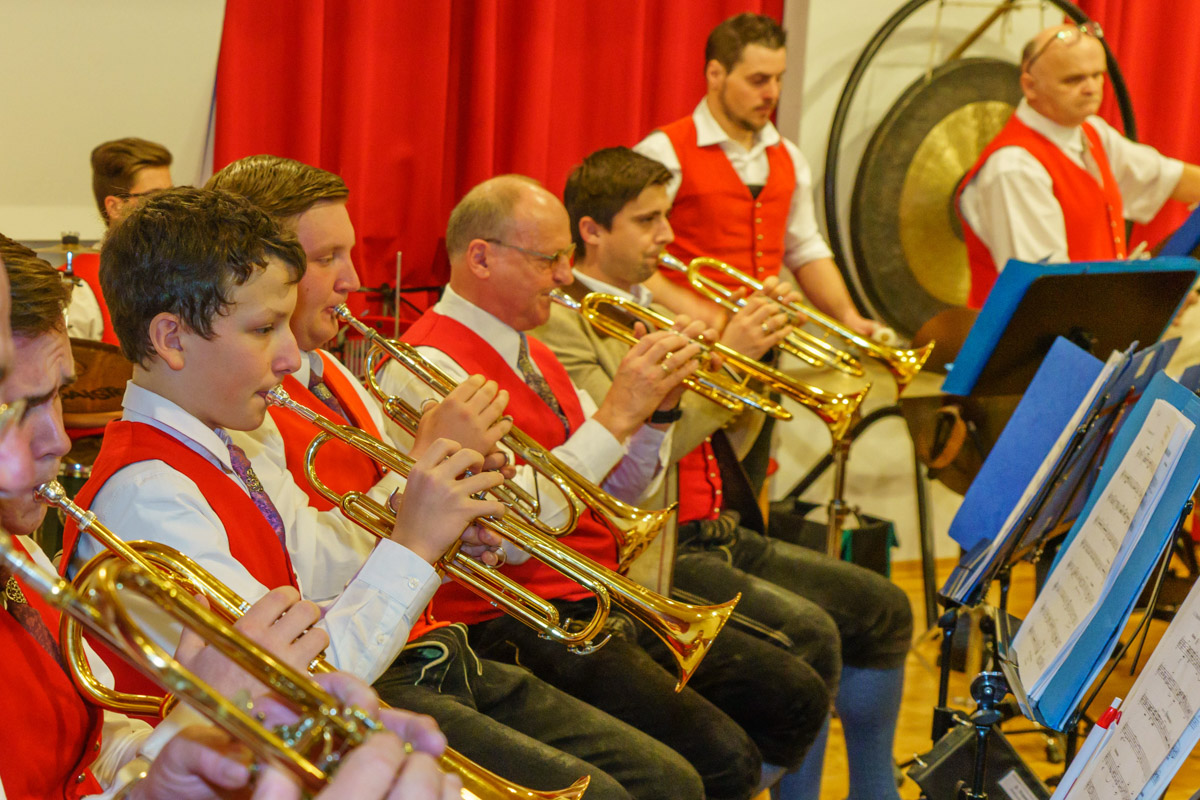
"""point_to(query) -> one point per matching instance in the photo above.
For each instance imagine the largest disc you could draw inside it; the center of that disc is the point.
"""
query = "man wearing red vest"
(75, 749)
(510, 245)
(740, 191)
(502, 716)
(618, 205)
(1057, 183)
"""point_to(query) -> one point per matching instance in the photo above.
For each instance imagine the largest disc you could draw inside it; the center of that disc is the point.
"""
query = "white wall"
(80, 72)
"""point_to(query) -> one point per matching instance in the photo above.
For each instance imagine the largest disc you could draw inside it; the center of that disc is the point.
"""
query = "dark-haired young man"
(618, 205)
(728, 162)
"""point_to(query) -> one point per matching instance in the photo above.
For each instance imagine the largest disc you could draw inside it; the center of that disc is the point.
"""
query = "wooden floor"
(920, 694)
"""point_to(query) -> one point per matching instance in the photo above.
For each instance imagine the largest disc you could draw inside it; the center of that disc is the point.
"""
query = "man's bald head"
(487, 211)
(1062, 74)
(509, 243)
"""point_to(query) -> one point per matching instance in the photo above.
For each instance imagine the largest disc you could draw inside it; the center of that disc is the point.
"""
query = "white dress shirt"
(371, 593)
(84, 318)
(802, 241)
(1011, 205)
(628, 471)
(126, 745)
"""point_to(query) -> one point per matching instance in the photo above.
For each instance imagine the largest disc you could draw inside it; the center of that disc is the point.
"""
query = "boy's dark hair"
(282, 187)
(39, 293)
(181, 252)
(115, 166)
(729, 39)
(606, 180)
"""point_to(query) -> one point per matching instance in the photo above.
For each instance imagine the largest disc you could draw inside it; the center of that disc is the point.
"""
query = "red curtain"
(414, 103)
(1152, 42)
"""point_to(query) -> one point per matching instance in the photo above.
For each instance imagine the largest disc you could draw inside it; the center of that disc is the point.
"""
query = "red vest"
(1093, 212)
(86, 267)
(341, 466)
(51, 734)
(252, 540)
(531, 414)
(715, 215)
(699, 484)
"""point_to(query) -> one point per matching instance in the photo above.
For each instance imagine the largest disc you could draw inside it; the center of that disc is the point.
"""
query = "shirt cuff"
(401, 574)
(602, 449)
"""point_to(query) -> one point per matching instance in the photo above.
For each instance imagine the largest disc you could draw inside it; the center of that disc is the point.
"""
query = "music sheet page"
(1159, 724)
(1113, 525)
(1115, 361)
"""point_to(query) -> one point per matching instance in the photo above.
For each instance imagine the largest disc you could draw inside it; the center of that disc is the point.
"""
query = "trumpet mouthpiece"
(51, 492)
(342, 312)
(670, 261)
(279, 396)
(564, 299)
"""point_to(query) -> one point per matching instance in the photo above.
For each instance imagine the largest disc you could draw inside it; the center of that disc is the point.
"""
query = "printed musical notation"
(1159, 725)
(1102, 545)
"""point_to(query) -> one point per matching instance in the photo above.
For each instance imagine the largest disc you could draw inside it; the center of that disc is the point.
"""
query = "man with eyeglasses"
(1057, 183)
(510, 245)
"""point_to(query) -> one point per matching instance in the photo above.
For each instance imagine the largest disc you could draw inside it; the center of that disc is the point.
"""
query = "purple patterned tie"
(534, 380)
(242, 468)
(318, 387)
(28, 617)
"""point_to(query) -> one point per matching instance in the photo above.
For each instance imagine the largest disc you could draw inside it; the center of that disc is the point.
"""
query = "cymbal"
(63, 249)
(909, 254)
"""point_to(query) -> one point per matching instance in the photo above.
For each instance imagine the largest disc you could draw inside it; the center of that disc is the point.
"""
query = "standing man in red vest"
(1057, 183)
(740, 191)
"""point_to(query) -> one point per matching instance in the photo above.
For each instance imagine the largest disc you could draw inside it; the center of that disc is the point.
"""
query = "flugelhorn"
(167, 566)
(837, 411)
(903, 364)
(634, 528)
(687, 630)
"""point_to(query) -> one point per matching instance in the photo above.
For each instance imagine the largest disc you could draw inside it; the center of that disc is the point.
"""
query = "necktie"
(318, 387)
(28, 617)
(245, 473)
(534, 380)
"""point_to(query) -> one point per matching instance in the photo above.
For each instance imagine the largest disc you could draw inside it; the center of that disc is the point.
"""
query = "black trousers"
(746, 701)
(507, 720)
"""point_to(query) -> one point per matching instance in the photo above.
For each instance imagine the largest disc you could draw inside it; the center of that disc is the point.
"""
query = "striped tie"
(534, 380)
(317, 386)
(245, 473)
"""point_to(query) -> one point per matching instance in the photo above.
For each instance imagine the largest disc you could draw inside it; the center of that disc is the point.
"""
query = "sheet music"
(1102, 544)
(1115, 360)
(1159, 723)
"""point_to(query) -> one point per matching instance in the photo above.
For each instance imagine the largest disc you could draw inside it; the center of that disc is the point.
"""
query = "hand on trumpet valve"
(757, 327)
(279, 622)
(472, 415)
(647, 379)
(775, 288)
(439, 502)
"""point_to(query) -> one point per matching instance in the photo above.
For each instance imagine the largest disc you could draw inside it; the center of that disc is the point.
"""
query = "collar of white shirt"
(151, 408)
(640, 294)
(709, 131)
(503, 338)
(1067, 139)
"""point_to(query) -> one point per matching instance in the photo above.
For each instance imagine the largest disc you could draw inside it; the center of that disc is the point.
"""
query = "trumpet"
(837, 411)
(308, 749)
(634, 528)
(903, 364)
(687, 630)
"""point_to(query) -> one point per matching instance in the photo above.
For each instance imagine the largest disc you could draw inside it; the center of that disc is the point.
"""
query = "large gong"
(897, 238)
(907, 239)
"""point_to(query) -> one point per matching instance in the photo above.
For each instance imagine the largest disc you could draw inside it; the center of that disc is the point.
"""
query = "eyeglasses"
(550, 258)
(10, 415)
(130, 195)
(1068, 36)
